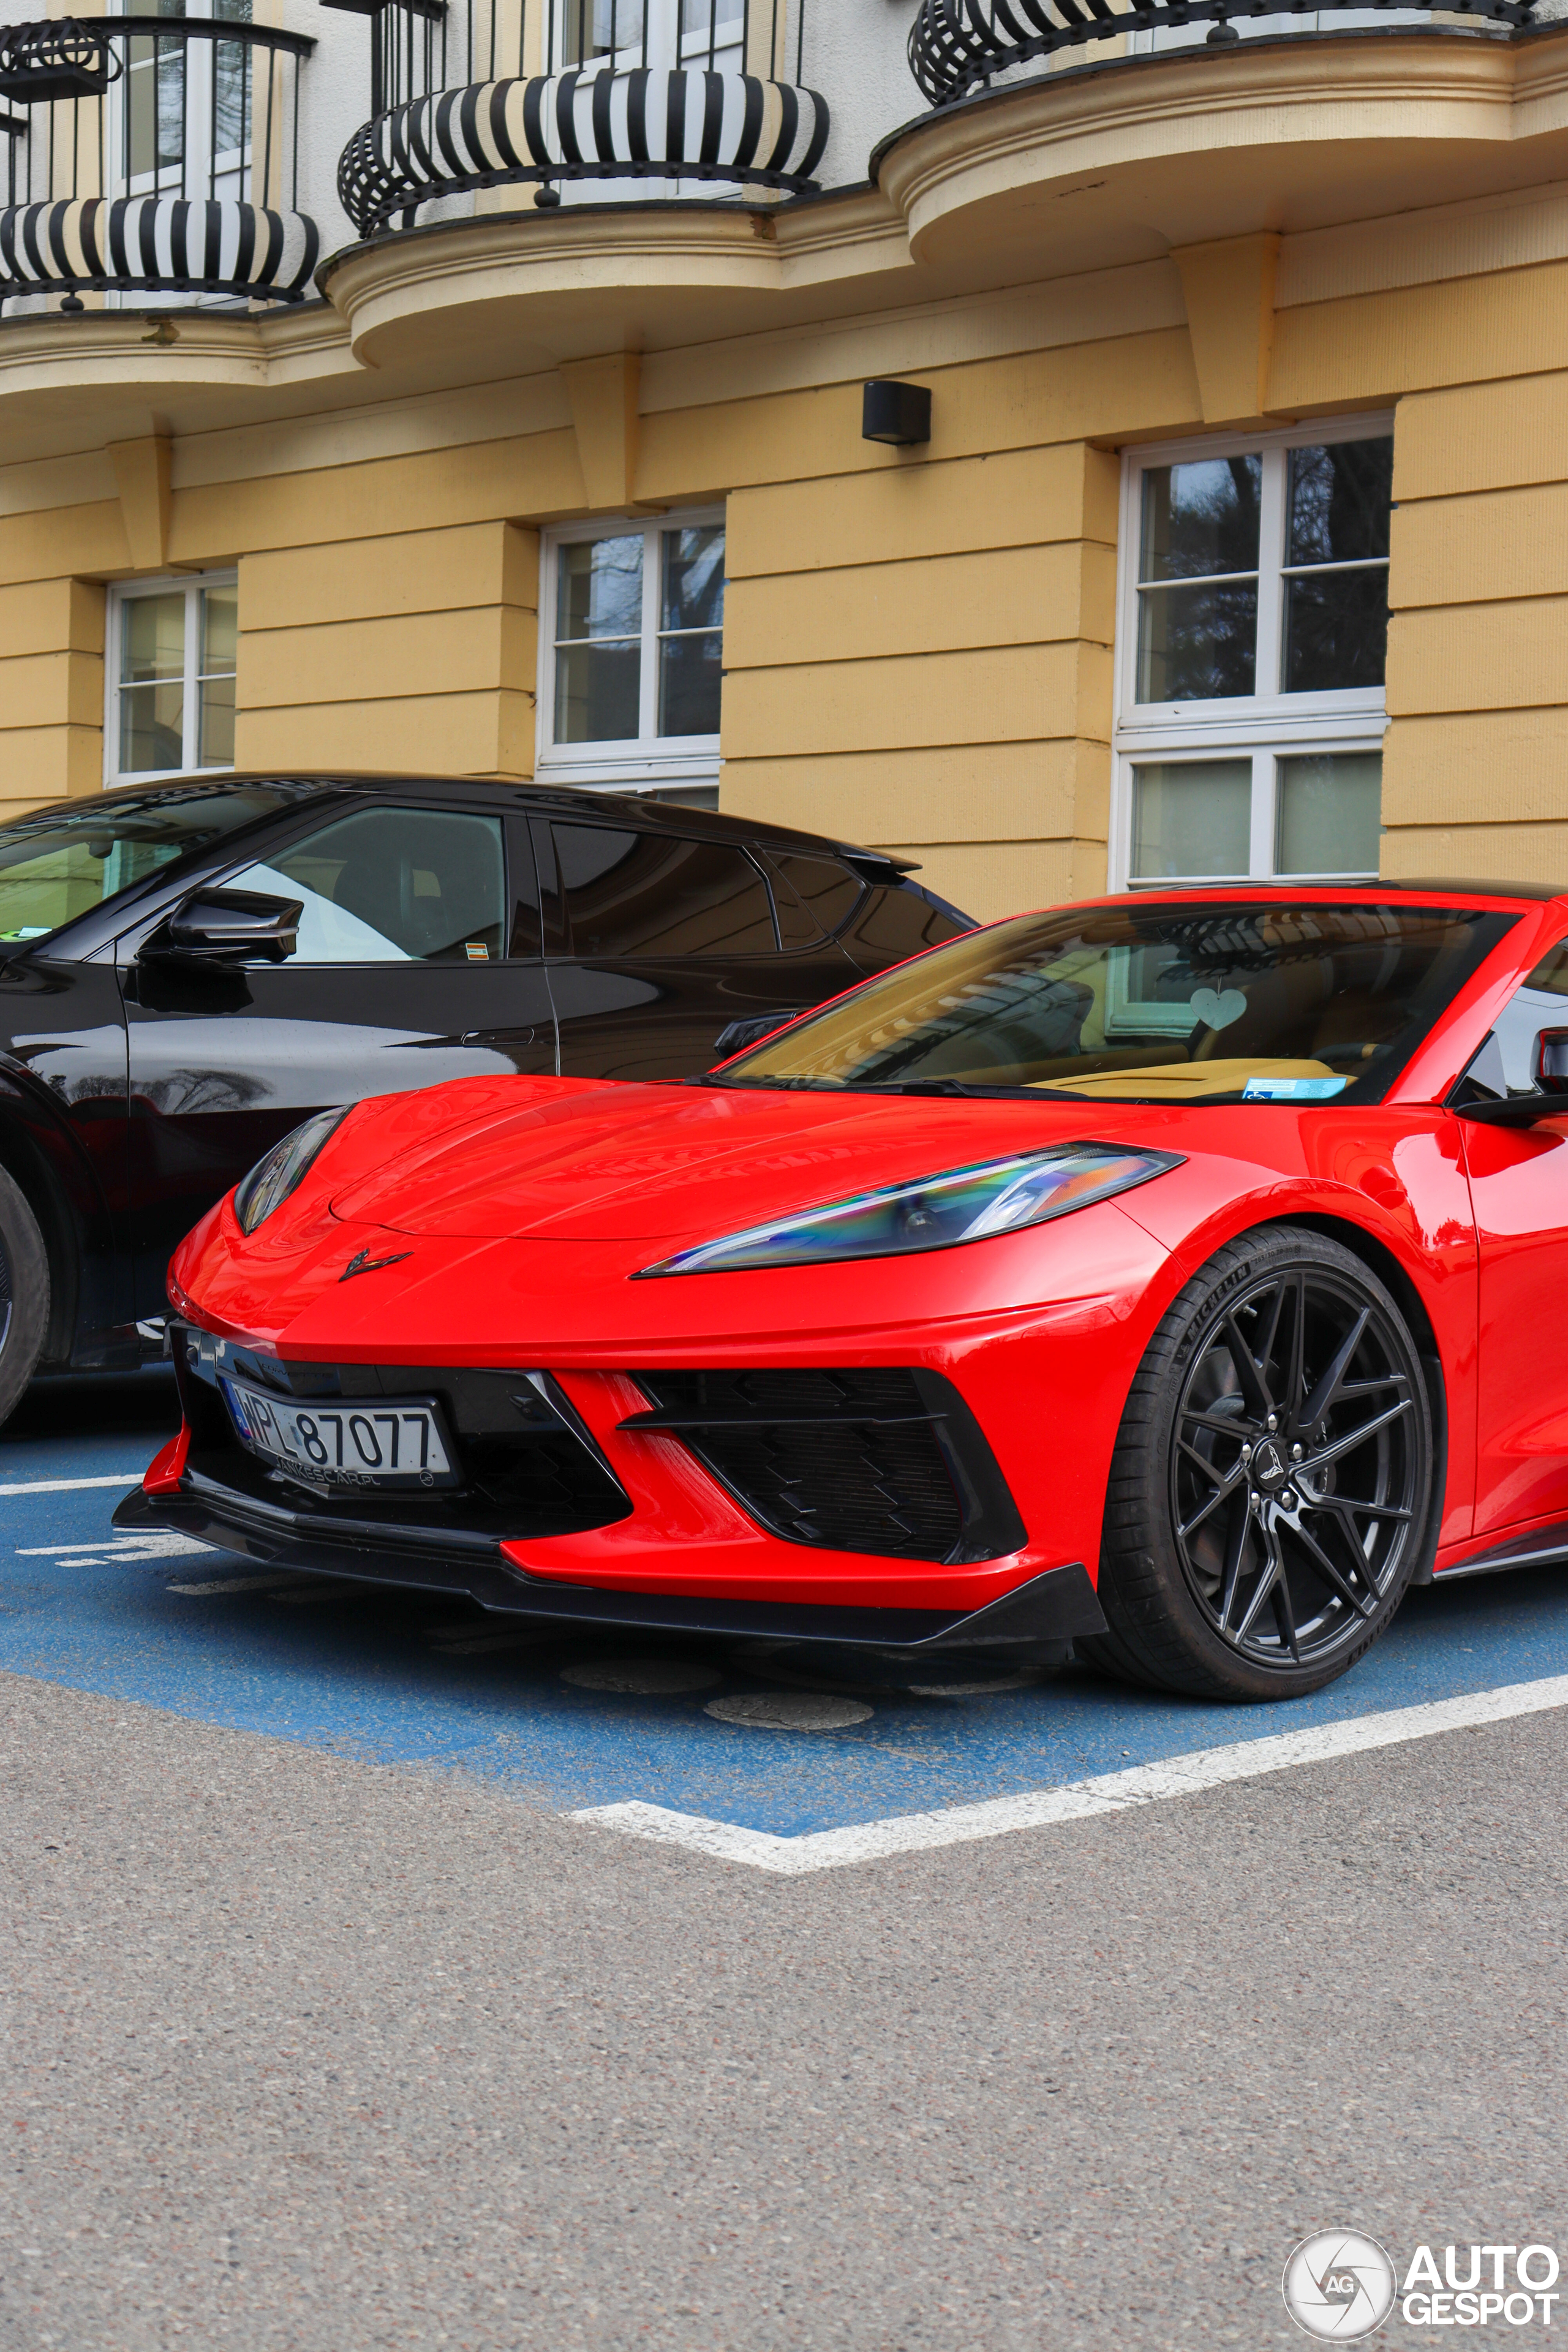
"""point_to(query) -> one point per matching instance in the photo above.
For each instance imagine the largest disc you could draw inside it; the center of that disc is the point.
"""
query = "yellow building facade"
(1105, 268)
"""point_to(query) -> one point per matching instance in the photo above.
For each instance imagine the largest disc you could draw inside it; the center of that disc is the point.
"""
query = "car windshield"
(1150, 1002)
(64, 861)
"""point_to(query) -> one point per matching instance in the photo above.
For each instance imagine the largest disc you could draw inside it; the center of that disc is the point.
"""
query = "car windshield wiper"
(712, 1079)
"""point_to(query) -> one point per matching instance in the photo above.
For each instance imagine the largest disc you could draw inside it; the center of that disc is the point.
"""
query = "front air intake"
(886, 1461)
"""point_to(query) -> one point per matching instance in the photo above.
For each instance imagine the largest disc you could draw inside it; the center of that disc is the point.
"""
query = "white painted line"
(159, 1543)
(70, 1485)
(1111, 1793)
(235, 1584)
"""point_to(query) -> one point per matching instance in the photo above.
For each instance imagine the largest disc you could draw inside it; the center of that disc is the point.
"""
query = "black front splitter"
(1032, 1623)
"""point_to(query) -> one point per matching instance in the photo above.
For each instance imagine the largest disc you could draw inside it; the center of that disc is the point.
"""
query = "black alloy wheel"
(24, 1294)
(1271, 1487)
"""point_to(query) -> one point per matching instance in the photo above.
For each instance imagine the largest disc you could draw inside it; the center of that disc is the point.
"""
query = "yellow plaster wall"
(949, 698)
(51, 691)
(1475, 760)
(414, 650)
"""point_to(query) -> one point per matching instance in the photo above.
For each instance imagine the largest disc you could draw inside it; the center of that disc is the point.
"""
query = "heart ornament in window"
(1217, 1011)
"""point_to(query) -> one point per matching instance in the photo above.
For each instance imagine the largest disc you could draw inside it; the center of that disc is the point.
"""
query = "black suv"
(188, 969)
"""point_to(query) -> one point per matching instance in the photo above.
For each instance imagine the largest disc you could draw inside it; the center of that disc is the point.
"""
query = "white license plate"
(388, 1444)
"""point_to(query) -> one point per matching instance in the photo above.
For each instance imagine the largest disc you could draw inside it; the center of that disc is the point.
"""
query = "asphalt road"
(326, 2025)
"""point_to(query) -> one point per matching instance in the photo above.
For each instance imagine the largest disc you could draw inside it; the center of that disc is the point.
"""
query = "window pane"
(825, 894)
(152, 636)
(220, 629)
(1331, 808)
(155, 104)
(1191, 816)
(1197, 644)
(1336, 629)
(1201, 518)
(1340, 501)
(53, 866)
(598, 693)
(598, 29)
(694, 578)
(601, 588)
(642, 894)
(152, 728)
(393, 886)
(216, 723)
(690, 673)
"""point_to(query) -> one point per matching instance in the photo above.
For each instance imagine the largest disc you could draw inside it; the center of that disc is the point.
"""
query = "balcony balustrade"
(958, 47)
(154, 154)
(608, 91)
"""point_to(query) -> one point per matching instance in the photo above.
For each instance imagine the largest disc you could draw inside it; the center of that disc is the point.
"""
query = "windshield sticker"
(1292, 1089)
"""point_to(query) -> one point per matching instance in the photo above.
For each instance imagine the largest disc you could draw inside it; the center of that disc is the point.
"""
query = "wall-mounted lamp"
(898, 414)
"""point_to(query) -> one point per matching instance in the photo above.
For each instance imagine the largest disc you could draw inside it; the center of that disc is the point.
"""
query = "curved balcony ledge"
(1078, 170)
(109, 368)
(1123, 161)
(646, 124)
(556, 284)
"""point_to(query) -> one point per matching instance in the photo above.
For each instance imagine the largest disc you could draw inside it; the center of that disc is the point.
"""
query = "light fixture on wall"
(897, 414)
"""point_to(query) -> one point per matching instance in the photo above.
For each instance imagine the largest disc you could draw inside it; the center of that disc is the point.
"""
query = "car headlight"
(277, 1171)
(965, 1204)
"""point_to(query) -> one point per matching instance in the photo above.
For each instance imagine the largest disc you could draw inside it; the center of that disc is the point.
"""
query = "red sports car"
(1178, 1276)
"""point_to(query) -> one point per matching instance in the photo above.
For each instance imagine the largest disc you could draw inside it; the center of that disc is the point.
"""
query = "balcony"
(152, 155)
(597, 97)
(960, 46)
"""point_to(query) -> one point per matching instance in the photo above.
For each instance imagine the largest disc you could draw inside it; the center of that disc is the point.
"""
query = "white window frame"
(190, 585)
(645, 763)
(1268, 727)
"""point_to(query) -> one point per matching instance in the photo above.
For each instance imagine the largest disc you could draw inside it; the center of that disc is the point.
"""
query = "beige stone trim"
(603, 396)
(1229, 291)
(141, 474)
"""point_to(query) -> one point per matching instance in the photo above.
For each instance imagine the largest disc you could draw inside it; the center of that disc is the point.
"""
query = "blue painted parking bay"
(420, 1681)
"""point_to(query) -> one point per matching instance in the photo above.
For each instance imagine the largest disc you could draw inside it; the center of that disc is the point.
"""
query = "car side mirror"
(1551, 1062)
(225, 928)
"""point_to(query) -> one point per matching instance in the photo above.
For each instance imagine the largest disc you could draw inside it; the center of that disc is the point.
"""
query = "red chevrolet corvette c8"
(1179, 1275)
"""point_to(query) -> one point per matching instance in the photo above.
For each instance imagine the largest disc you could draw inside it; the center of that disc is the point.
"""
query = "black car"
(189, 969)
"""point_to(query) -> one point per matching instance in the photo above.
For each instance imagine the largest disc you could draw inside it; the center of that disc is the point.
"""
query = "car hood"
(585, 1161)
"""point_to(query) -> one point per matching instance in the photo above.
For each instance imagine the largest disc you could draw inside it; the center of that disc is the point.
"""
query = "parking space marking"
(236, 1583)
(587, 1722)
(70, 1485)
(159, 1543)
(1109, 1792)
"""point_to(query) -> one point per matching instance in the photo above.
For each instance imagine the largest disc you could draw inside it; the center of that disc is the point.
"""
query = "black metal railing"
(476, 95)
(958, 47)
(156, 154)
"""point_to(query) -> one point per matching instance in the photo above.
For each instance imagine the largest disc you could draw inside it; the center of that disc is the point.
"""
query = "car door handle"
(498, 1036)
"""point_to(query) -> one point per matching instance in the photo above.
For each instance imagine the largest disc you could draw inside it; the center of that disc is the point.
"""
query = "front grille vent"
(849, 1461)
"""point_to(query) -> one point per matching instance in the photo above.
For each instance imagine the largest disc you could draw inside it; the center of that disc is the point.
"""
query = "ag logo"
(1339, 2286)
